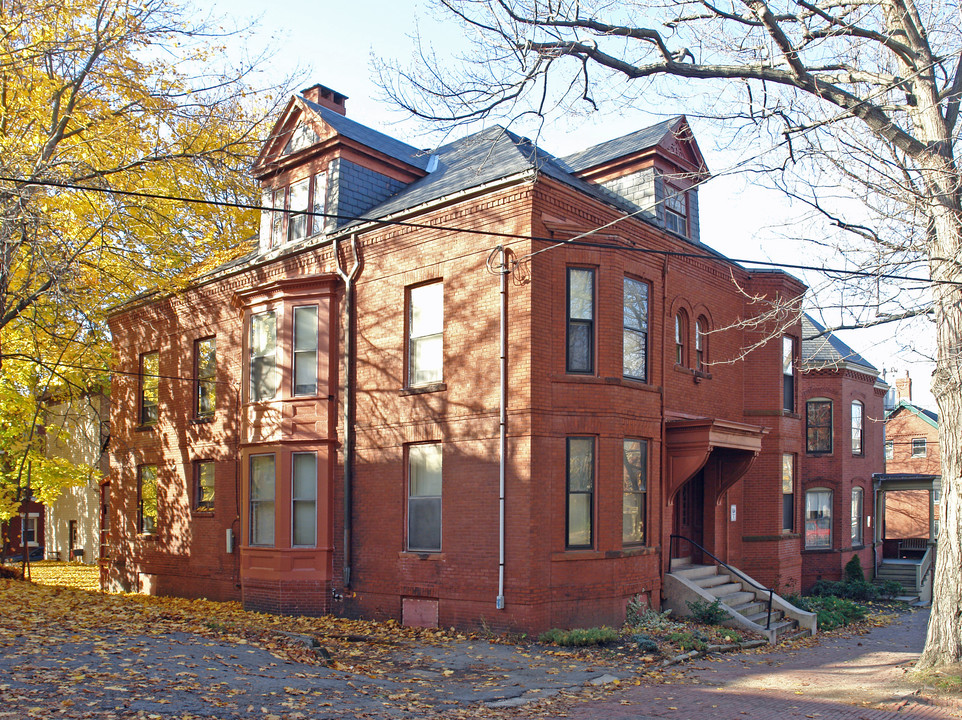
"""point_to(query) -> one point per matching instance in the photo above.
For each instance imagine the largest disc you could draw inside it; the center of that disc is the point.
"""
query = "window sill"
(820, 551)
(570, 555)
(422, 389)
(809, 453)
(203, 512)
(203, 420)
(632, 551)
(413, 555)
(150, 537)
(145, 428)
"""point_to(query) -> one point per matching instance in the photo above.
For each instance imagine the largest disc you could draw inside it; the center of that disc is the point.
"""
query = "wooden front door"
(690, 517)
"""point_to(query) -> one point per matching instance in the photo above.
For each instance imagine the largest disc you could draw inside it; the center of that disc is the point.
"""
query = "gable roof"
(929, 416)
(392, 147)
(673, 129)
(826, 351)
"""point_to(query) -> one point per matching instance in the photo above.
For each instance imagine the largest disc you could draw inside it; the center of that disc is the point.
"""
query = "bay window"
(580, 492)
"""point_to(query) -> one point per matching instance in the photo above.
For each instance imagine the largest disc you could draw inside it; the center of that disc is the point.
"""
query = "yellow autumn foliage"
(114, 114)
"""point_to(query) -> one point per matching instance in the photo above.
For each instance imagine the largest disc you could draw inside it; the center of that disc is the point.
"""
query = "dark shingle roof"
(827, 351)
(343, 125)
(930, 416)
(619, 147)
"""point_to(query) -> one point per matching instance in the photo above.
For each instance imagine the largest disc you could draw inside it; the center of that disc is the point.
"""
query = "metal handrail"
(770, 591)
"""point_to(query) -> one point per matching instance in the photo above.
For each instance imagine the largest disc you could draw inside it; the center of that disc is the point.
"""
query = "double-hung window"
(701, 344)
(788, 374)
(305, 350)
(857, 516)
(635, 491)
(581, 321)
(299, 204)
(424, 497)
(818, 519)
(580, 491)
(147, 499)
(788, 492)
(304, 499)
(818, 421)
(205, 377)
(635, 339)
(149, 388)
(262, 485)
(204, 485)
(918, 447)
(426, 334)
(858, 427)
(681, 334)
(263, 356)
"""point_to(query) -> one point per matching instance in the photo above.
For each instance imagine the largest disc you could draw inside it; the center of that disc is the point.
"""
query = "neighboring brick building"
(913, 468)
(628, 415)
(843, 405)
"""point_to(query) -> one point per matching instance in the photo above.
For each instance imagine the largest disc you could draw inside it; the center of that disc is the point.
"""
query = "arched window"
(857, 427)
(818, 519)
(857, 516)
(681, 335)
(818, 421)
(701, 344)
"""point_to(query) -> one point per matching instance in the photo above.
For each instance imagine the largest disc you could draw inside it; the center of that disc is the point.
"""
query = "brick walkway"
(862, 677)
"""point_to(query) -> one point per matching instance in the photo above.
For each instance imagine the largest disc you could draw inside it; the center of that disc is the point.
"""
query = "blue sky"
(332, 43)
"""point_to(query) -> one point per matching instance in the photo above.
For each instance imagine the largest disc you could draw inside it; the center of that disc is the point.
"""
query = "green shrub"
(853, 571)
(708, 613)
(639, 615)
(850, 589)
(687, 641)
(579, 637)
(644, 643)
(833, 611)
(890, 588)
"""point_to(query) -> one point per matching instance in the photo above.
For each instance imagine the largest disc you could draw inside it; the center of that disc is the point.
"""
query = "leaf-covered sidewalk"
(71, 653)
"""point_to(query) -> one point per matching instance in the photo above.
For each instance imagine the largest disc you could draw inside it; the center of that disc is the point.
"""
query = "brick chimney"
(325, 97)
(904, 388)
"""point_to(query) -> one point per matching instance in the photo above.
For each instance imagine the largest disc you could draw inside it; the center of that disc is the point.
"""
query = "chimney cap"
(326, 97)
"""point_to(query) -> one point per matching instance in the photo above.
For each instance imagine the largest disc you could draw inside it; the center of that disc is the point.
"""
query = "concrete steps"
(746, 605)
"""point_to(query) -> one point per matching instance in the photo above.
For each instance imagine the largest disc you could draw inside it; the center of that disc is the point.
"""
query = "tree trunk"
(943, 645)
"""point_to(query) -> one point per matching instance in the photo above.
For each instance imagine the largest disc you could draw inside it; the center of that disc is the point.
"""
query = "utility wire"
(475, 231)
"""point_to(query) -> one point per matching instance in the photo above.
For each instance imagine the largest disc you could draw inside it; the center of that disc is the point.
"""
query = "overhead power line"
(475, 231)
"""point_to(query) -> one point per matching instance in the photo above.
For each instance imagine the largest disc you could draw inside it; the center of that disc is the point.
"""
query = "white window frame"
(304, 497)
(425, 464)
(425, 319)
(827, 543)
(262, 506)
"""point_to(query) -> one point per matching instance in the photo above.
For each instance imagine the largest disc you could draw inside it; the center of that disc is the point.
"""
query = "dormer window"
(298, 207)
(676, 210)
(297, 211)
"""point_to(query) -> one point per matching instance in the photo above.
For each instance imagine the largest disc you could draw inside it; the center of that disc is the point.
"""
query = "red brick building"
(843, 406)
(366, 416)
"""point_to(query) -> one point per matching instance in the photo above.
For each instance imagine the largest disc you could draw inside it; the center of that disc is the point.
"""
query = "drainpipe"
(348, 278)
(667, 323)
(502, 270)
(502, 424)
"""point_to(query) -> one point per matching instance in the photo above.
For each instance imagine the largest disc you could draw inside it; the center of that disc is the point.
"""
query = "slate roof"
(472, 162)
(619, 147)
(827, 351)
(370, 137)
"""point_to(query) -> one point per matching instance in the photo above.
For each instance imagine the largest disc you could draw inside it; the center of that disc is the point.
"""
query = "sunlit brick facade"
(632, 413)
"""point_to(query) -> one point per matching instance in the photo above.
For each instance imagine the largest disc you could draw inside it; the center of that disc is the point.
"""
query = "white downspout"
(502, 270)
